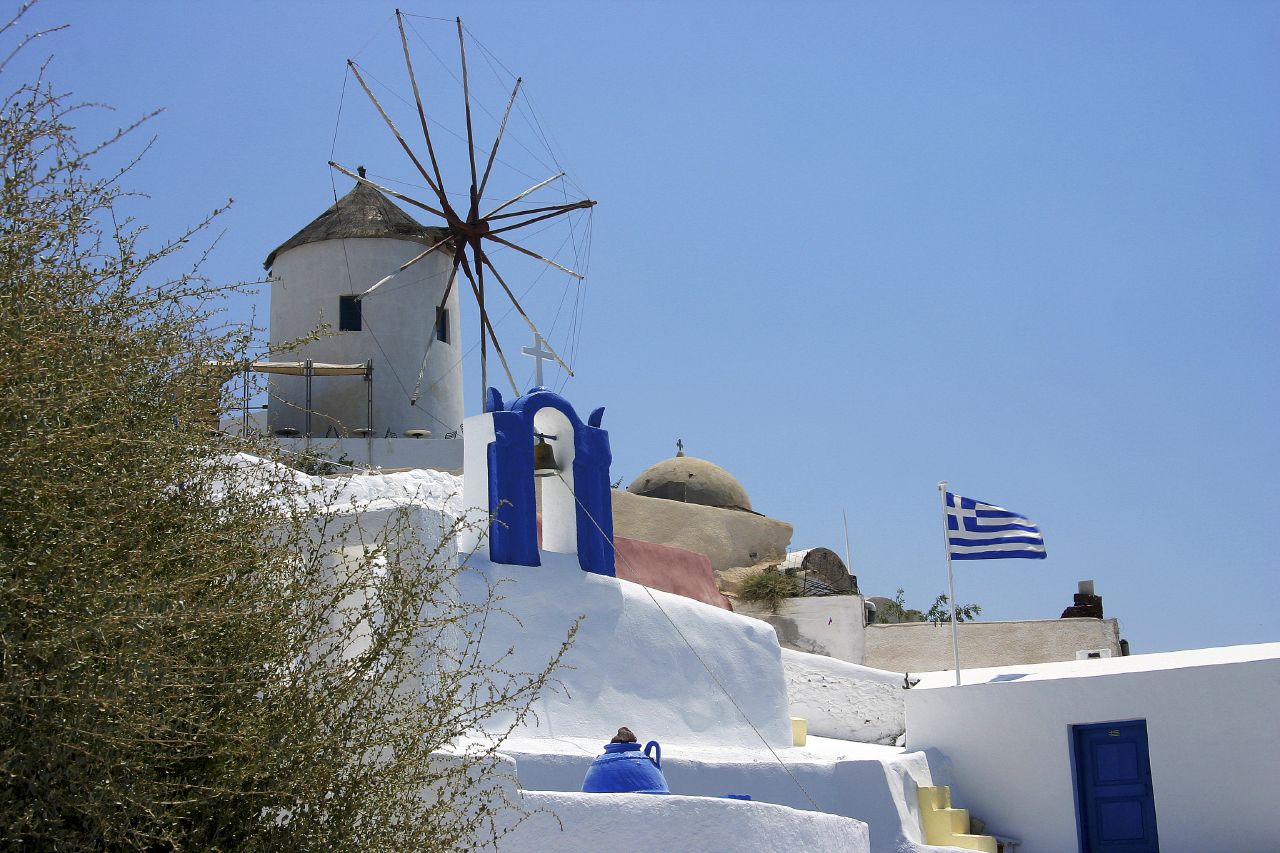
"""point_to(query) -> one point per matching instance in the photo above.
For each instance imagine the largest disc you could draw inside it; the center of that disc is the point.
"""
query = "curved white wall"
(843, 700)
(640, 658)
(398, 322)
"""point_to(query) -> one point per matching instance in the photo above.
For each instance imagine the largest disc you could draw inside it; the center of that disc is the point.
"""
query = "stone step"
(867, 782)
(947, 826)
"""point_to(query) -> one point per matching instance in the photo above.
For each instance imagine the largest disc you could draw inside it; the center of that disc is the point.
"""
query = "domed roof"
(692, 480)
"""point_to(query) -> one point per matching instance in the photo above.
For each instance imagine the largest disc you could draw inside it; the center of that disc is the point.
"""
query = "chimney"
(1087, 605)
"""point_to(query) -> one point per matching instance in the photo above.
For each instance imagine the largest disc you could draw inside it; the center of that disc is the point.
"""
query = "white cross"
(539, 355)
(961, 513)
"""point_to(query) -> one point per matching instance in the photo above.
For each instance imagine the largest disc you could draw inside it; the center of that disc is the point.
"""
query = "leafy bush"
(769, 588)
(185, 663)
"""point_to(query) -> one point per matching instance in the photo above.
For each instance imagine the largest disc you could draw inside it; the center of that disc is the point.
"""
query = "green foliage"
(896, 611)
(769, 588)
(185, 664)
(941, 611)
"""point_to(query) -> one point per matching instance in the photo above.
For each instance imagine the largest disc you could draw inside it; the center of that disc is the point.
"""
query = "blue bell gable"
(577, 508)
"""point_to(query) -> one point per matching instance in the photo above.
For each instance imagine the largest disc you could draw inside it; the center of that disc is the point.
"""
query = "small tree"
(940, 611)
(895, 611)
(199, 650)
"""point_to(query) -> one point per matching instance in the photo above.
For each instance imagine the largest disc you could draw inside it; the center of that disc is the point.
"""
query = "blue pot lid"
(621, 747)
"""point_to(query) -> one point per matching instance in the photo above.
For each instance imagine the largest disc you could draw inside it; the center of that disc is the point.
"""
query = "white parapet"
(674, 668)
(829, 625)
(344, 455)
(588, 823)
(844, 700)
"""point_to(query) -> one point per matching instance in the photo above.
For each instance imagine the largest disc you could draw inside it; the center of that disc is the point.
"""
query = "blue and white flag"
(978, 531)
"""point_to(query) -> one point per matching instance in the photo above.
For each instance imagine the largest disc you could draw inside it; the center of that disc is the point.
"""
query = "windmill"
(468, 231)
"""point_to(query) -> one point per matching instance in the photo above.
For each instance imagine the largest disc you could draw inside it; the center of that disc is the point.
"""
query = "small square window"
(442, 325)
(349, 314)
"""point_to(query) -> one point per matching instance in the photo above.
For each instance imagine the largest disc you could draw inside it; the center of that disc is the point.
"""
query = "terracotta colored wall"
(669, 569)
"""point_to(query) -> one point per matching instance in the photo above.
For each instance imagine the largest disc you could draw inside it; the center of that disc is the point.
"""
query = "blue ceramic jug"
(624, 769)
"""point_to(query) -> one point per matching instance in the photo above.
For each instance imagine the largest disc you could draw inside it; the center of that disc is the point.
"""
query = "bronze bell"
(544, 459)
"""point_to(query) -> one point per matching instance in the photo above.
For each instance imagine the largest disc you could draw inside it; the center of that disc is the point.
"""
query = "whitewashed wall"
(1211, 725)
(589, 823)
(640, 658)
(441, 454)
(830, 625)
(873, 784)
(843, 700)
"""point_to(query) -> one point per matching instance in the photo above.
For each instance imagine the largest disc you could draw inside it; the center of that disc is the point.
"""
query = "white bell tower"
(316, 278)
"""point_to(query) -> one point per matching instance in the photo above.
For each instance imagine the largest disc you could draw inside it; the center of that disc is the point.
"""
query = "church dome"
(692, 480)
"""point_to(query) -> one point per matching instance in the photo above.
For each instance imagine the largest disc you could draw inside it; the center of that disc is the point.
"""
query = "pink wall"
(664, 567)
(669, 569)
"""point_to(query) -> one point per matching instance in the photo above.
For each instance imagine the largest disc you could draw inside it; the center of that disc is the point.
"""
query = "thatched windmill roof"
(363, 212)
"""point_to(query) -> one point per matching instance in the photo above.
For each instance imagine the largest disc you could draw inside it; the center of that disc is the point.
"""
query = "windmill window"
(349, 314)
(442, 325)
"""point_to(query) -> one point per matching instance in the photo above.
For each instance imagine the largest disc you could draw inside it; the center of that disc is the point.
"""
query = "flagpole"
(951, 586)
(848, 557)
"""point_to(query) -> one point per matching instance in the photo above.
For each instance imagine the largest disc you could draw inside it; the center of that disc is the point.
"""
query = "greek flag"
(978, 531)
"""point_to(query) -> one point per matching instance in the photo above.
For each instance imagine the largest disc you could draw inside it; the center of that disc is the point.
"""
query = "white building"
(719, 692)
(1166, 752)
(717, 687)
(385, 368)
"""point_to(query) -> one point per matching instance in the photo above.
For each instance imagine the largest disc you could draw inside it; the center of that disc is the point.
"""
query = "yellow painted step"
(947, 826)
(985, 843)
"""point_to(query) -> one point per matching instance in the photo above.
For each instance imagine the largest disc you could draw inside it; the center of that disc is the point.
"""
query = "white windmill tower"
(388, 289)
(407, 340)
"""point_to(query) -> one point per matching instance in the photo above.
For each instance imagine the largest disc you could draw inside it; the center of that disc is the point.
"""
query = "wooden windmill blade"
(386, 190)
(532, 189)
(484, 258)
(438, 186)
(502, 128)
(355, 70)
(523, 250)
(466, 233)
(485, 324)
(422, 369)
(471, 139)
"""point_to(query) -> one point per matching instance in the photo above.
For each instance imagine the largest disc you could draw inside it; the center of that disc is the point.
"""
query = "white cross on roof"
(539, 354)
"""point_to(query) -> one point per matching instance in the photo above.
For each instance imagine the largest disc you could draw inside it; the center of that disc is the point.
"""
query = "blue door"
(1115, 806)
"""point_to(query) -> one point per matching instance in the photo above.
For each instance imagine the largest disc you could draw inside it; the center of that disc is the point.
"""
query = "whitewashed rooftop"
(1100, 666)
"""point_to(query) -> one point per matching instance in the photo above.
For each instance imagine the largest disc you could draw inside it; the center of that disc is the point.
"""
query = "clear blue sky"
(843, 250)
